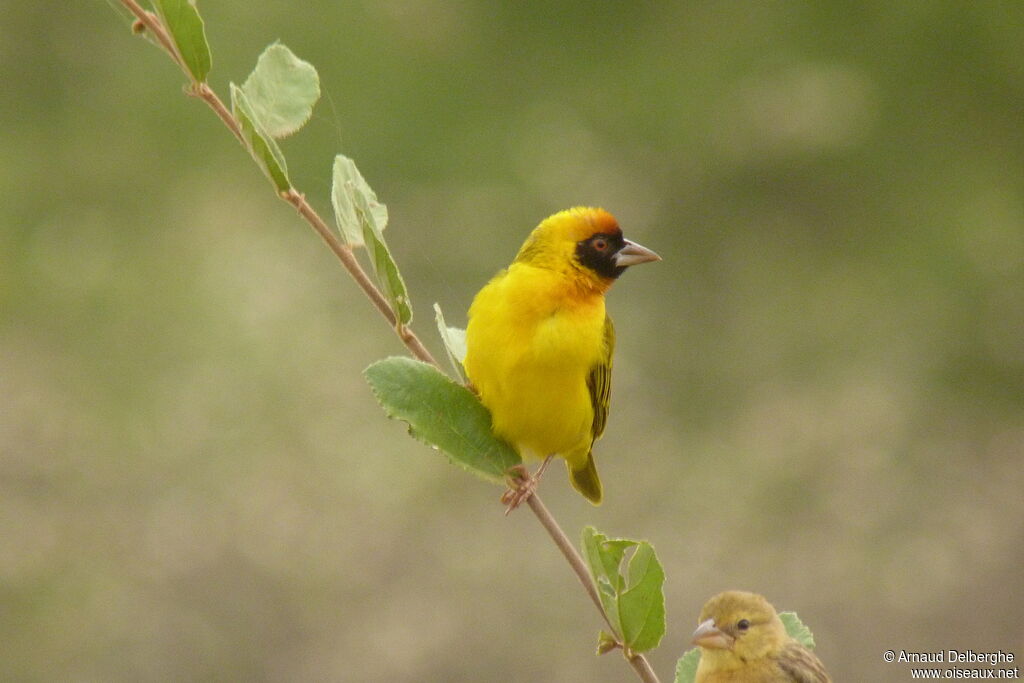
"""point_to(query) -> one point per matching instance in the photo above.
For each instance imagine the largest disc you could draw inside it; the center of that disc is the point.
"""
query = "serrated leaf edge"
(654, 604)
(309, 115)
(487, 476)
(797, 629)
(690, 656)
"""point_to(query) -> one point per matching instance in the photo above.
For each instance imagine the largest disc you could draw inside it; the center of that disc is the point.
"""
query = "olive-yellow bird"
(539, 343)
(742, 640)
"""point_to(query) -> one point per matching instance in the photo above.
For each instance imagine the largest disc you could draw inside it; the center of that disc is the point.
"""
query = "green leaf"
(388, 277)
(634, 601)
(262, 147)
(347, 189)
(281, 91)
(796, 629)
(606, 642)
(603, 559)
(186, 26)
(362, 219)
(642, 604)
(454, 340)
(686, 667)
(442, 414)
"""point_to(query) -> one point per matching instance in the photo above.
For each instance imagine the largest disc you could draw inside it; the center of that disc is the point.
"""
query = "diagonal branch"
(152, 23)
(348, 260)
(572, 556)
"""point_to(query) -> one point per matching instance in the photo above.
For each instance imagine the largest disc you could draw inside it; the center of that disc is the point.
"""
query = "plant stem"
(206, 94)
(642, 667)
(292, 196)
(569, 551)
(636, 660)
(155, 26)
(348, 260)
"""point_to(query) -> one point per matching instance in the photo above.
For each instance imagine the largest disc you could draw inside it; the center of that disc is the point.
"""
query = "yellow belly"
(531, 345)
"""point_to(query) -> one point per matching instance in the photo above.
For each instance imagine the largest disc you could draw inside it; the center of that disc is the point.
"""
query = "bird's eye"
(600, 244)
(743, 624)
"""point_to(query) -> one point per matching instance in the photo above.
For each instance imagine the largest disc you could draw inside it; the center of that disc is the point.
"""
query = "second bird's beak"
(632, 254)
(710, 636)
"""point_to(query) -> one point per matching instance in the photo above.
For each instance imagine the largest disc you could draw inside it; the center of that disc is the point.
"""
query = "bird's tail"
(585, 480)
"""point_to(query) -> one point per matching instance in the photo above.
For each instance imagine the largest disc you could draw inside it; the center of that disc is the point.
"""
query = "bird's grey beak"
(710, 636)
(632, 254)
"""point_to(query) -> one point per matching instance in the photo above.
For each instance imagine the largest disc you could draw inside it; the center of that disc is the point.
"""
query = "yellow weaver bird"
(742, 640)
(539, 343)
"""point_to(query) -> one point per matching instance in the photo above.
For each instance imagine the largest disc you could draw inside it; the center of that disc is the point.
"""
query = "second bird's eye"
(743, 624)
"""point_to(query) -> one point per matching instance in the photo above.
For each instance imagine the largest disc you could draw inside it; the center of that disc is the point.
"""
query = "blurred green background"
(819, 394)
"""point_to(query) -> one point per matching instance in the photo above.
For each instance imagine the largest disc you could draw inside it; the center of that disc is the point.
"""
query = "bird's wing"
(801, 665)
(599, 381)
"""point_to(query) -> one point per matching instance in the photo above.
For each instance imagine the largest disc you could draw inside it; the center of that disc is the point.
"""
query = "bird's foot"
(521, 485)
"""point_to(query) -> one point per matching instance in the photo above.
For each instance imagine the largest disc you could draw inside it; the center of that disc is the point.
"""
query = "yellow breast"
(532, 340)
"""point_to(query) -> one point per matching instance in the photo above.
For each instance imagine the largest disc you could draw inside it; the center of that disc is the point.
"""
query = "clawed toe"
(521, 485)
